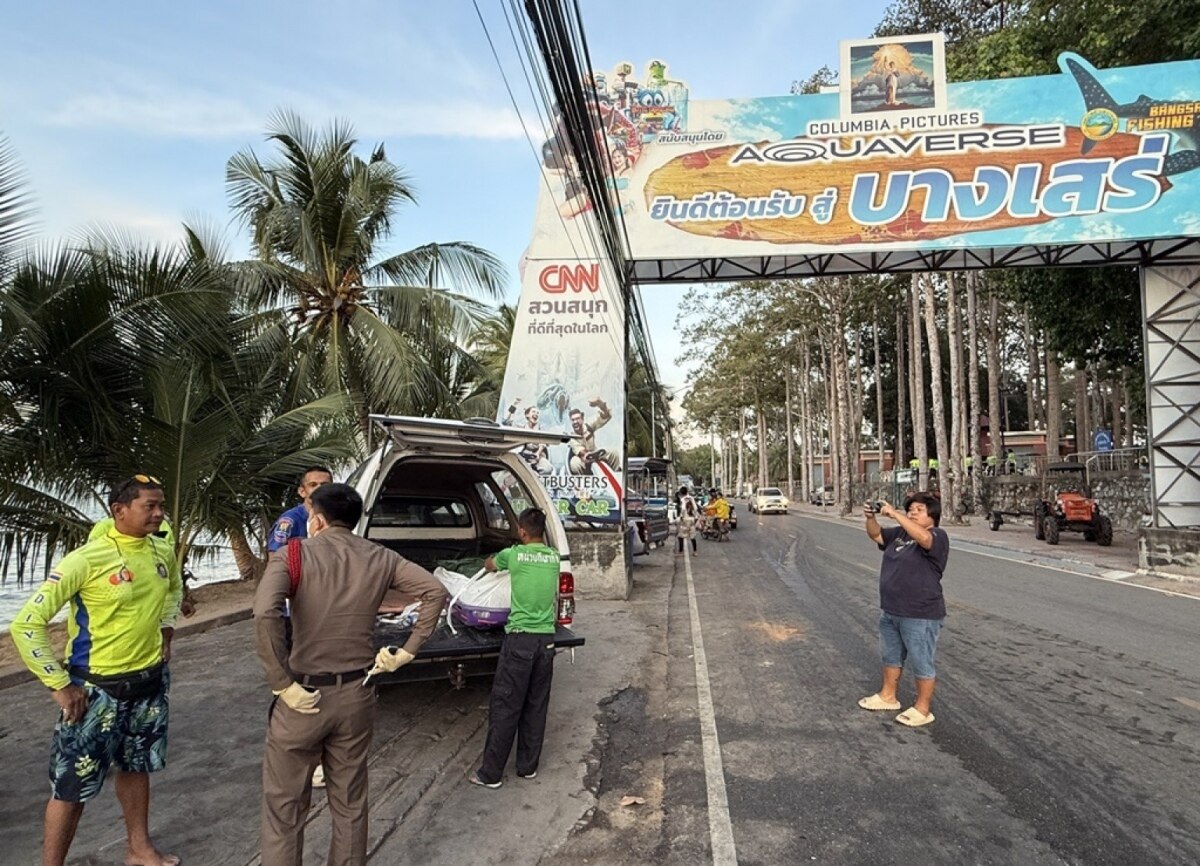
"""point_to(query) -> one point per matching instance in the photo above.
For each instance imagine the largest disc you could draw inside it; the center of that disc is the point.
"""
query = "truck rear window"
(504, 485)
(420, 512)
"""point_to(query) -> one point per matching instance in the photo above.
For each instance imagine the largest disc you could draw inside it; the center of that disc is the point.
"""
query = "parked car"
(447, 493)
(822, 495)
(768, 499)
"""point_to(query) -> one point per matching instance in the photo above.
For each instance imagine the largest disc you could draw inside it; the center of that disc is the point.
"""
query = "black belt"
(331, 679)
(134, 685)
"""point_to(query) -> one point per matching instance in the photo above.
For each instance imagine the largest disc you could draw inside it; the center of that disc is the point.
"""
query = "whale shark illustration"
(1095, 96)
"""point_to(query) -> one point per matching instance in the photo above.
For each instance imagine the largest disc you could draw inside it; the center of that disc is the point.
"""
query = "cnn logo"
(557, 279)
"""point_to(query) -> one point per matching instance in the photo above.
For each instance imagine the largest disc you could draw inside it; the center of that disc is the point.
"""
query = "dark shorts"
(130, 734)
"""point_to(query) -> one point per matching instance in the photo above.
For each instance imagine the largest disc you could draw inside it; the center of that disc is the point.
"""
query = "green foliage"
(227, 379)
(823, 77)
(387, 331)
(1090, 315)
(696, 462)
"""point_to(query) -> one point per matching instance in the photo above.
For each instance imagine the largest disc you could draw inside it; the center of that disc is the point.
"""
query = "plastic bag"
(406, 618)
(482, 601)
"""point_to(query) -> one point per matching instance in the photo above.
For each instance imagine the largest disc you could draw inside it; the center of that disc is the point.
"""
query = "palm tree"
(385, 331)
(121, 359)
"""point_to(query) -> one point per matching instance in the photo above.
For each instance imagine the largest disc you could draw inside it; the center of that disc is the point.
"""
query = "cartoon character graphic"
(653, 112)
(622, 90)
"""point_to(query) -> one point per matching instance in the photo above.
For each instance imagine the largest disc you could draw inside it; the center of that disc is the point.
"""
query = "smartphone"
(877, 506)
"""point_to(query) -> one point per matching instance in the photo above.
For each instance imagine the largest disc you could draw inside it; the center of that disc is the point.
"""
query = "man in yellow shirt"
(718, 509)
(124, 588)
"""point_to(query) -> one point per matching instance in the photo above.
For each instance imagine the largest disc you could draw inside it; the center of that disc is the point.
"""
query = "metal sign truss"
(1142, 253)
(1171, 308)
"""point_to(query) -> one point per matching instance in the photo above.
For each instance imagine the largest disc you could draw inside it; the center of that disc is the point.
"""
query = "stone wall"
(600, 564)
(1170, 551)
(1123, 496)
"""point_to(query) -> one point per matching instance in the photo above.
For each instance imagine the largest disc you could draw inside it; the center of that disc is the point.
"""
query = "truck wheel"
(1050, 529)
(1104, 533)
(1039, 523)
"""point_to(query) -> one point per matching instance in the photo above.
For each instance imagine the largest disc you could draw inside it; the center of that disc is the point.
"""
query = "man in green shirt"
(521, 689)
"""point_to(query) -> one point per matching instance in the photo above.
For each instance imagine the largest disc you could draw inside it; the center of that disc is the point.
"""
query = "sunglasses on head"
(129, 482)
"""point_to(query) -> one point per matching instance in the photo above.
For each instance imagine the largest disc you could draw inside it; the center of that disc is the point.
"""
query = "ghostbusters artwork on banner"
(566, 374)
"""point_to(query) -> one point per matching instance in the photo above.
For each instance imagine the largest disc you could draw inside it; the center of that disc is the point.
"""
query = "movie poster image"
(565, 374)
(893, 76)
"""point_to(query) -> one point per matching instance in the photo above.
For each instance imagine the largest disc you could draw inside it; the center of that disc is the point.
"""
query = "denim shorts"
(131, 734)
(907, 641)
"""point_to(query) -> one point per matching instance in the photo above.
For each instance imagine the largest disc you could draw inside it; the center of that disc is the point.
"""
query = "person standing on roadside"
(521, 689)
(689, 511)
(342, 581)
(124, 589)
(910, 595)
(293, 523)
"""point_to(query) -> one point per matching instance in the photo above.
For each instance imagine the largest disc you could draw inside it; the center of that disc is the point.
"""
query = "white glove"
(300, 699)
(389, 658)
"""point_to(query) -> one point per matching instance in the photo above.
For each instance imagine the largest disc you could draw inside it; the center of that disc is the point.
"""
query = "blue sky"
(124, 114)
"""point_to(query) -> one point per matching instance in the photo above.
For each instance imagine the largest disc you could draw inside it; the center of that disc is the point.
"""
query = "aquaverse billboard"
(898, 159)
(892, 170)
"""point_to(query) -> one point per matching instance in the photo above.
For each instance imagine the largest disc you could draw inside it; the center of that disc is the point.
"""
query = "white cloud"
(158, 111)
(184, 113)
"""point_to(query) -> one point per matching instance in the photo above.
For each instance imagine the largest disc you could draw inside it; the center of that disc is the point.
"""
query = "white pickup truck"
(447, 493)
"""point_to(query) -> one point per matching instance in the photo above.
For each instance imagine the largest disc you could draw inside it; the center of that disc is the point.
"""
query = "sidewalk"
(1118, 562)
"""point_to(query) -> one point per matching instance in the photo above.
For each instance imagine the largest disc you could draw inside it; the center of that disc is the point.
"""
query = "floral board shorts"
(131, 734)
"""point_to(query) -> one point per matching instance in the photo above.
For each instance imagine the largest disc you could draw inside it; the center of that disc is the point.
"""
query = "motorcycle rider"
(718, 509)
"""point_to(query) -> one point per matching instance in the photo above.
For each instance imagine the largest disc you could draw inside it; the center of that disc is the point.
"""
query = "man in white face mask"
(323, 713)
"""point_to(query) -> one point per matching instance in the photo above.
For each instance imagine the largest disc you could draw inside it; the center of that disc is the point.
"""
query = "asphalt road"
(1068, 729)
(1068, 712)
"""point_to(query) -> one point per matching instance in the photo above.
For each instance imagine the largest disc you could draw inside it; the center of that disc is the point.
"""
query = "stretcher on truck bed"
(470, 652)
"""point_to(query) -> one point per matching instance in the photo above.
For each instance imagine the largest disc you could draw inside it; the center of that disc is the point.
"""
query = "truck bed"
(471, 652)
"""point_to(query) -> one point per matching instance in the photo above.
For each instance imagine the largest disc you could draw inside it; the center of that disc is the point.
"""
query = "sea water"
(216, 569)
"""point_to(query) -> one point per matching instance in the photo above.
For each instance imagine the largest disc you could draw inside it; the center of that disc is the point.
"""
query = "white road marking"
(1188, 702)
(720, 826)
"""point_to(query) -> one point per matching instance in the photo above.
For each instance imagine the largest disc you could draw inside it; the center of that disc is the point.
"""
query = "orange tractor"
(1067, 506)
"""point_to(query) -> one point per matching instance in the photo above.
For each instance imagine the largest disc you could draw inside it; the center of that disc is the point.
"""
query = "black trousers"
(519, 702)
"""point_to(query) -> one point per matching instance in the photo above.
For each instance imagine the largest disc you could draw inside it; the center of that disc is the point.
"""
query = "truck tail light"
(566, 598)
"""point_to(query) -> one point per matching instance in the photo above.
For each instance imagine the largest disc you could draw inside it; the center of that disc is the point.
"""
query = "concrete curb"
(18, 674)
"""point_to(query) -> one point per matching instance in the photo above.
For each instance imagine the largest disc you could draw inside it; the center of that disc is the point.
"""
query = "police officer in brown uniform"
(323, 713)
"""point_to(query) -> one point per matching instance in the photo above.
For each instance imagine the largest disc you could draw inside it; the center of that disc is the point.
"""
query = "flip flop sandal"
(875, 703)
(914, 718)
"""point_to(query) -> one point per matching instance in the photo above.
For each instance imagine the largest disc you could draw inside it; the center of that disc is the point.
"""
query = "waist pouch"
(132, 686)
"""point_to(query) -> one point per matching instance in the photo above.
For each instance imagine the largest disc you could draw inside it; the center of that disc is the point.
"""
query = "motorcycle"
(715, 529)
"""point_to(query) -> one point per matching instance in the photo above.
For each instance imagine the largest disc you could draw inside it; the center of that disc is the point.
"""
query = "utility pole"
(712, 456)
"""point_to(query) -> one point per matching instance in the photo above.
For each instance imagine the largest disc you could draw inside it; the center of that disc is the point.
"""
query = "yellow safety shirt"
(122, 591)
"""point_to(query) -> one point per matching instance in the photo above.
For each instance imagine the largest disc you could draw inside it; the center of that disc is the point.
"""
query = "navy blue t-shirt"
(293, 523)
(910, 578)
